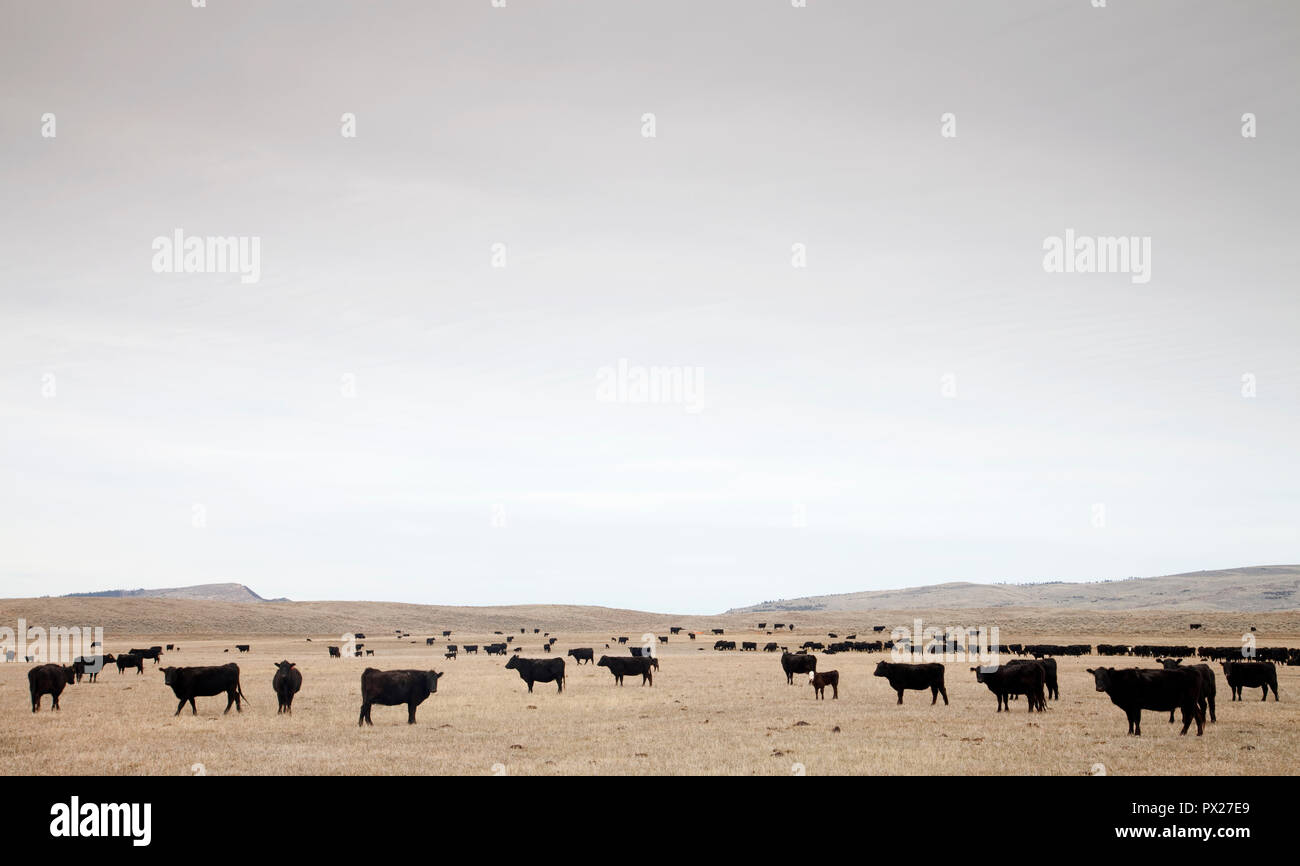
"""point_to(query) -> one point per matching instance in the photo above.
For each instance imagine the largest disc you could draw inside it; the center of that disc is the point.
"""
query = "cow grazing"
(49, 680)
(334, 653)
(822, 680)
(1207, 684)
(793, 663)
(1250, 675)
(621, 667)
(538, 671)
(1049, 674)
(390, 688)
(1006, 680)
(243, 647)
(1136, 689)
(583, 653)
(928, 675)
(770, 647)
(130, 660)
(748, 646)
(202, 682)
(287, 682)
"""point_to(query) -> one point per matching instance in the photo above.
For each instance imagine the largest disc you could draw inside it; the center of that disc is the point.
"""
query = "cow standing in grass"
(821, 681)
(49, 680)
(287, 682)
(1207, 685)
(539, 671)
(917, 677)
(1136, 689)
(204, 682)
(1250, 675)
(797, 663)
(390, 688)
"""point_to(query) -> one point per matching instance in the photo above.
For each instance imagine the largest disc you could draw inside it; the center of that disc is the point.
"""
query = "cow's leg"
(1189, 713)
(410, 712)
(900, 697)
(36, 702)
(1137, 723)
(180, 705)
(530, 687)
(1171, 717)
(559, 685)
(194, 710)
(230, 701)
(1210, 704)
(361, 717)
(55, 704)
(835, 691)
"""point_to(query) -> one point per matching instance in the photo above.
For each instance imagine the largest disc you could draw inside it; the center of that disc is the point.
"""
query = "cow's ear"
(1091, 671)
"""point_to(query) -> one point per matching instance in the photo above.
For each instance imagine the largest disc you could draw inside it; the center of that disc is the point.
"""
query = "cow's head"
(1102, 677)
(431, 677)
(513, 663)
(169, 675)
(603, 663)
(284, 666)
(69, 674)
(1169, 664)
(881, 669)
(984, 670)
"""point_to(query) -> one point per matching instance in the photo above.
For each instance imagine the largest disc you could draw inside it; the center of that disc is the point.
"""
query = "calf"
(928, 675)
(1135, 689)
(1207, 685)
(581, 654)
(49, 680)
(822, 680)
(794, 663)
(1250, 675)
(287, 682)
(621, 667)
(1006, 680)
(538, 671)
(201, 682)
(389, 688)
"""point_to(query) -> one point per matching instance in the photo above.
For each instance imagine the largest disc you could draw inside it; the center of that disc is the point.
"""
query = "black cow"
(130, 660)
(1136, 689)
(583, 653)
(471, 649)
(822, 680)
(640, 651)
(1049, 674)
(287, 682)
(202, 682)
(1006, 680)
(390, 688)
(450, 654)
(334, 653)
(621, 667)
(928, 675)
(243, 647)
(49, 680)
(428, 641)
(153, 652)
(1207, 685)
(1250, 675)
(748, 645)
(538, 671)
(495, 649)
(91, 666)
(793, 663)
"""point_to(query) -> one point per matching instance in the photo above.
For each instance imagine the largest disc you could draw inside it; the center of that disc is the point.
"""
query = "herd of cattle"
(1172, 687)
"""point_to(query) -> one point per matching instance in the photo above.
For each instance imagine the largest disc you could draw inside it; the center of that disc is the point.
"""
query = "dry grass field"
(707, 713)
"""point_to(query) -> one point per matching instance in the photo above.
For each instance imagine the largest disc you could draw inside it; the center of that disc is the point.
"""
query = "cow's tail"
(240, 691)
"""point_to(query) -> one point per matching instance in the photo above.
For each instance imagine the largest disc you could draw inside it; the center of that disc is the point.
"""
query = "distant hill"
(203, 592)
(1259, 589)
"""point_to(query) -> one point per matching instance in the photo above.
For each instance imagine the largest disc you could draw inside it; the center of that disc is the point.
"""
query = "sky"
(824, 228)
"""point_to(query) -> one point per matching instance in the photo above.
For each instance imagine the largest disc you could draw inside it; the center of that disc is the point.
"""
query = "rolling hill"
(1258, 589)
(235, 592)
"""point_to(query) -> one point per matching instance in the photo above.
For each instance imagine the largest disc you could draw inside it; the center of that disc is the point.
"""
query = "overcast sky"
(386, 415)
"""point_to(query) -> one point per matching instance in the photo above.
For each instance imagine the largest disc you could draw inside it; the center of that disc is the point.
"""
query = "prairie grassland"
(707, 713)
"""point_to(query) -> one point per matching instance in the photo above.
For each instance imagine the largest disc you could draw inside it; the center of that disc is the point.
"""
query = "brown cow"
(821, 680)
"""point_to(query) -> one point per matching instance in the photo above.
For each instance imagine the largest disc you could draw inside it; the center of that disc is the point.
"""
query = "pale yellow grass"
(708, 713)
